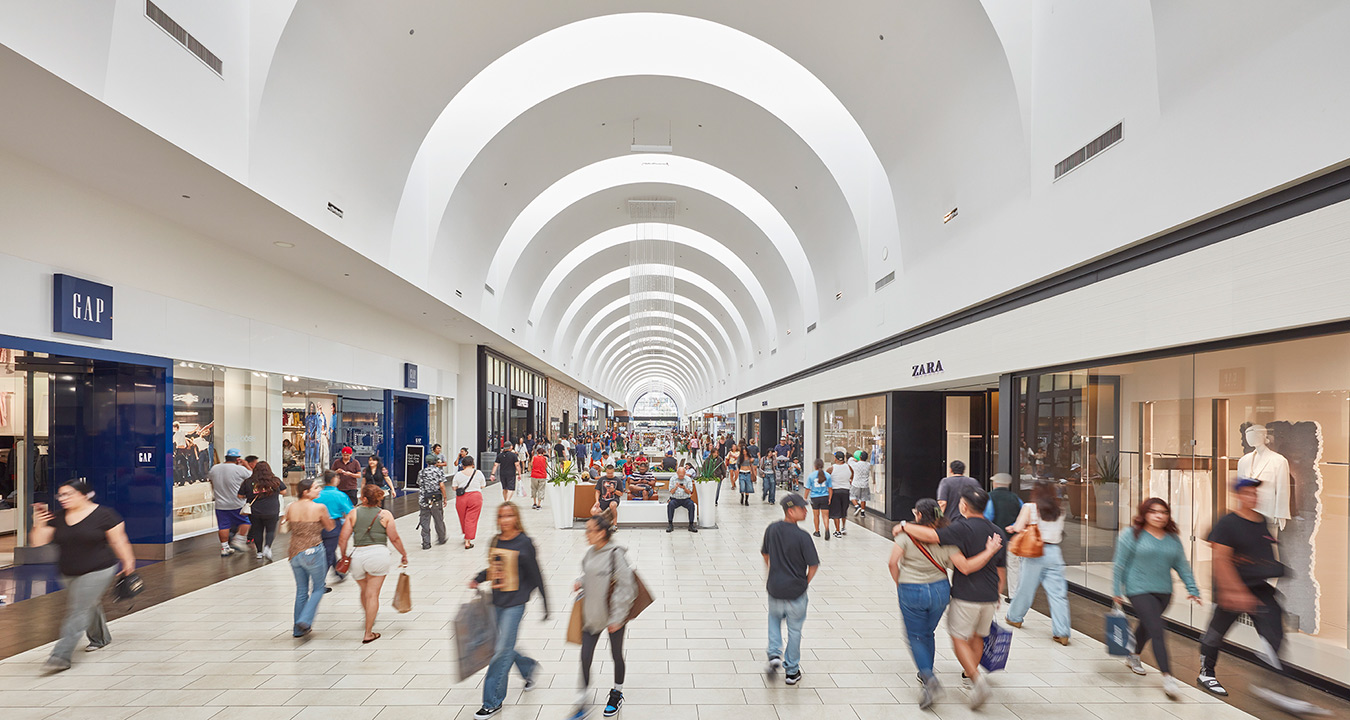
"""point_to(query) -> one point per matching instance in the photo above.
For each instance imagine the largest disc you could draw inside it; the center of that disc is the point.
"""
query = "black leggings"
(588, 642)
(1150, 607)
(262, 531)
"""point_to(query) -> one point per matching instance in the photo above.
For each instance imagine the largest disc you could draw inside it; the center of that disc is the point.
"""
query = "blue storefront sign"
(409, 376)
(81, 307)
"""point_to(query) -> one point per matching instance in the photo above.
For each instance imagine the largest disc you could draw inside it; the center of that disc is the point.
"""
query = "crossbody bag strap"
(928, 555)
(372, 523)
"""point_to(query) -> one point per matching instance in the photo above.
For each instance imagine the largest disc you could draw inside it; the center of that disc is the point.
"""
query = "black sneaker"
(486, 712)
(793, 678)
(693, 528)
(816, 533)
(1208, 682)
(425, 546)
(670, 528)
(615, 702)
(530, 681)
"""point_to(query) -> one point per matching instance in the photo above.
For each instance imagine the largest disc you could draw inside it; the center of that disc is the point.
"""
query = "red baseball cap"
(346, 451)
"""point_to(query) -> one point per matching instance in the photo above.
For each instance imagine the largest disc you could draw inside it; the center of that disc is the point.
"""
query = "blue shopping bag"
(997, 645)
(1119, 637)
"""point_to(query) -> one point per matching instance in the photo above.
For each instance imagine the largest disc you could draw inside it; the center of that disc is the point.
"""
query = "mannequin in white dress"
(1272, 469)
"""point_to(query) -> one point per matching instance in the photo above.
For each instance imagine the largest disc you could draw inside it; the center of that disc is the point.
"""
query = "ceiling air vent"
(890, 278)
(1089, 151)
(176, 31)
(489, 289)
(811, 327)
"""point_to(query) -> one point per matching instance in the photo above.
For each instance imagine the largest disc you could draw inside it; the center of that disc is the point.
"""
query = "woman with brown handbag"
(1044, 517)
(608, 588)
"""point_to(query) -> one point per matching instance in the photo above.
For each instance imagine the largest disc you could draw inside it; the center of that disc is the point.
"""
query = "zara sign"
(81, 307)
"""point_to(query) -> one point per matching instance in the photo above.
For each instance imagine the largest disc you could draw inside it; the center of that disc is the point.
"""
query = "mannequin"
(1272, 469)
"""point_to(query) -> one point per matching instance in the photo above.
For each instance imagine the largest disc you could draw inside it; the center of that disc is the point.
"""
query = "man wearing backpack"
(431, 503)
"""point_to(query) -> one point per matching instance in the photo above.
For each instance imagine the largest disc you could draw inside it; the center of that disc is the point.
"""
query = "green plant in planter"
(709, 471)
(1108, 469)
(562, 472)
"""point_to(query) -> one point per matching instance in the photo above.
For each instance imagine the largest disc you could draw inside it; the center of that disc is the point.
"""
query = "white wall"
(184, 296)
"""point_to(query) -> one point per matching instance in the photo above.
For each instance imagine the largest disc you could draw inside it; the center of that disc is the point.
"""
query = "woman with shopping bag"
(1042, 517)
(372, 529)
(1146, 556)
(608, 588)
(513, 573)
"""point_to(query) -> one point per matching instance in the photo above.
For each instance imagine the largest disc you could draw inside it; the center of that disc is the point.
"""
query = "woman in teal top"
(1146, 555)
(821, 489)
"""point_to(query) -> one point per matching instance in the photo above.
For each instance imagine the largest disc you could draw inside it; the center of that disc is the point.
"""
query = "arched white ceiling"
(660, 390)
(640, 168)
(662, 384)
(617, 237)
(617, 309)
(631, 343)
(622, 275)
(641, 44)
(703, 343)
(637, 365)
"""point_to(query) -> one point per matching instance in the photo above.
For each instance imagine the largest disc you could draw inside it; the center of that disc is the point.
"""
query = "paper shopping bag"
(574, 625)
(403, 593)
(1119, 637)
(475, 635)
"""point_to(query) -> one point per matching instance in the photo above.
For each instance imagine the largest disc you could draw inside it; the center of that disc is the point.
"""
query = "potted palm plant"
(1106, 488)
(707, 477)
(562, 479)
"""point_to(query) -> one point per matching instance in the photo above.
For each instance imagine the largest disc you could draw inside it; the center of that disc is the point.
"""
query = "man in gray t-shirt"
(226, 477)
(950, 489)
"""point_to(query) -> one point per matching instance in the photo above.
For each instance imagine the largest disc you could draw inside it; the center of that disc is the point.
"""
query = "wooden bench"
(630, 511)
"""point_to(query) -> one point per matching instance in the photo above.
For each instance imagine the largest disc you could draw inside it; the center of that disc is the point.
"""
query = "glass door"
(25, 446)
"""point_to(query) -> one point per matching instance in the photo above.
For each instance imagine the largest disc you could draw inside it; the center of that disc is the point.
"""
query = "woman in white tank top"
(1047, 571)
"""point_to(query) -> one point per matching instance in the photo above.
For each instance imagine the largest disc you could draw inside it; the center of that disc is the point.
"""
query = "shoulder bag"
(460, 489)
(641, 597)
(1028, 543)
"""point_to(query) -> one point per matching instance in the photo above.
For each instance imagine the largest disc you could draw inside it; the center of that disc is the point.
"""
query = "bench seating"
(584, 499)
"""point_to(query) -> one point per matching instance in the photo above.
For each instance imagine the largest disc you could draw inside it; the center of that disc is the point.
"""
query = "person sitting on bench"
(681, 495)
(642, 483)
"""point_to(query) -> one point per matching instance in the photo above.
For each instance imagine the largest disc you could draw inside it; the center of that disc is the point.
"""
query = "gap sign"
(81, 307)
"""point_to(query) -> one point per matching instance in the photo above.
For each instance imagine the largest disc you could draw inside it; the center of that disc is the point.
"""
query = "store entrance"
(25, 445)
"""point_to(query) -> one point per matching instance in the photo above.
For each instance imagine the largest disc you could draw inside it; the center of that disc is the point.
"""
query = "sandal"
(372, 639)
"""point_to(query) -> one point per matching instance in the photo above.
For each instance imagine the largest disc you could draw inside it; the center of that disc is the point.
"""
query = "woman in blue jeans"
(308, 520)
(920, 574)
(1047, 570)
(513, 572)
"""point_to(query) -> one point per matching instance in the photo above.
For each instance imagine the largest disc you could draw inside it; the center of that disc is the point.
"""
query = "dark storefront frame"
(498, 397)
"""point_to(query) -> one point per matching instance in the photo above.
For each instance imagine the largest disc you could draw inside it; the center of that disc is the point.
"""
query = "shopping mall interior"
(1097, 248)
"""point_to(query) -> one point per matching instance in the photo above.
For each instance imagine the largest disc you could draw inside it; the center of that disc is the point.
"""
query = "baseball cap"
(792, 500)
(839, 455)
(232, 453)
(1241, 483)
(346, 450)
(857, 455)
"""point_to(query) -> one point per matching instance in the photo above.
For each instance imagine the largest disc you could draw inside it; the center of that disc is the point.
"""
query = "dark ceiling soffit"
(1302, 198)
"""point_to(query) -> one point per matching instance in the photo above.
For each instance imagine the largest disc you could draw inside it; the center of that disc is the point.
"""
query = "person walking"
(733, 464)
(768, 473)
(970, 613)
(821, 489)
(263, 490)
(1047, 570)
(538, 475)
(307, 521)
(431, 504)
(469, 484)
(791, 559)
(860, 491)
(608, 587)
(1146, 555)
(371, 529)
(378, 475)
(922, 584)
(349, 474)
(91, 542)
(514, 574)
(1244, 560)
(1002, 510)
(339, 505)
(951, 488)
(748, 475)
(507, 467)
(842, 474)
(718, 470)
(231, 522)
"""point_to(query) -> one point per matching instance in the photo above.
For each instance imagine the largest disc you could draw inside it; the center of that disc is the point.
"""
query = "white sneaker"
(1136, 666)
(238, 543)
(772, 668)
(267, 552)
(979, 692)
(1171, 688)
(1293, 706)
(257, 556)
(226, 551)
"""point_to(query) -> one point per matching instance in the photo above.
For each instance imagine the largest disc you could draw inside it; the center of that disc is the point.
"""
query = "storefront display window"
(851, 425)
(1182, 428)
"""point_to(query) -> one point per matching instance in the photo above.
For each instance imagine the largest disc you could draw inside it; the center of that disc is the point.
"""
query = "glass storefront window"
(850, 426)
(1182, 428)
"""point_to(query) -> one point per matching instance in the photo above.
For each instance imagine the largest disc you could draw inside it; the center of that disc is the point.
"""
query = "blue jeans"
(505, 655)
(330, 541)
(1048, 571)
(747, 485)
(310, 568)
(794, 612)
(770, 491)
(922, 606)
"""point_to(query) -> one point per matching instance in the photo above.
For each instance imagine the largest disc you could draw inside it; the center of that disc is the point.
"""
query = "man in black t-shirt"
(790, 555)
(507, 466)
(974, 598)
(1244, 559)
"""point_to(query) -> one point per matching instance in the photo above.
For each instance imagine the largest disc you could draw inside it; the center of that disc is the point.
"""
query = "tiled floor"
(225, 651)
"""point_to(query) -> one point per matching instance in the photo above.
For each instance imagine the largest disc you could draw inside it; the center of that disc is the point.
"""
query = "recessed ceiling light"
(283, 244)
